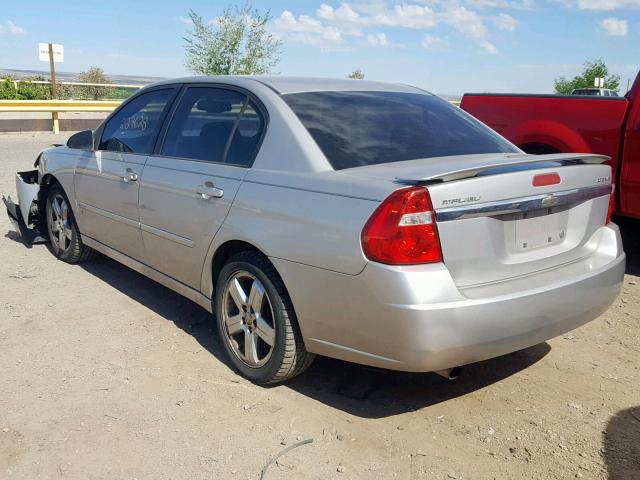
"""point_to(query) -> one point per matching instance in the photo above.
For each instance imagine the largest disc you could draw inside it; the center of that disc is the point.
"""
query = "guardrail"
(16, 82)
(56, 106)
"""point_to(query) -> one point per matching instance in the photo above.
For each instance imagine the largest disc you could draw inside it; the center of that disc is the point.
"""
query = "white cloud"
(344, 17)
(466, 21)
(607, 4)
(405, 15)
(307, 30)
(488, 48)
(523, 4)
(429, 41)
(378, 14)
(332, 26)
(615, 27)
(184, 20)
(343, 13)
(506, 22)
(378, 40)
(11, 28)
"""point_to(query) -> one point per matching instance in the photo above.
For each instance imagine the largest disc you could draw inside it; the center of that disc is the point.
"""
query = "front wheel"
(256, 321)
(64, 235)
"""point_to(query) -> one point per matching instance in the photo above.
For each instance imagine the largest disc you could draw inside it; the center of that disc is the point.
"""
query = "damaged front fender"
(25, 215)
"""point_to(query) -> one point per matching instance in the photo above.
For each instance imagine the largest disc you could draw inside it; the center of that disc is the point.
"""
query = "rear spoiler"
(468, 168)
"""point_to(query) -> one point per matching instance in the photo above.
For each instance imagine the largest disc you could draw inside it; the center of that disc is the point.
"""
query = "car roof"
(284, 84)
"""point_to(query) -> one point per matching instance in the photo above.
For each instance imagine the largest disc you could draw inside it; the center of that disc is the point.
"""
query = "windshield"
(365, 128)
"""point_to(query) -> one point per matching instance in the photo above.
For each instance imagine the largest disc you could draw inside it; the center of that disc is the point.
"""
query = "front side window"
(214, 125)
(133, 128)
(365, 128)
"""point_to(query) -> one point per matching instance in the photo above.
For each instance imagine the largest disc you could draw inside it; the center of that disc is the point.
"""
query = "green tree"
(8, 90)
(357, 74)
(25, 89)
(236, 43)
(33, 91)
(94, 75)
(592, 70)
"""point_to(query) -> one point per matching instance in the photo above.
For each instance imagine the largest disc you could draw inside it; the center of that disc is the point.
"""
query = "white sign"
(598, 82)
(58, 52)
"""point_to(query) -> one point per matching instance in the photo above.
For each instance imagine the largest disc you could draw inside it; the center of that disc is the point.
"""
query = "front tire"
(64, 236)
(256, 321)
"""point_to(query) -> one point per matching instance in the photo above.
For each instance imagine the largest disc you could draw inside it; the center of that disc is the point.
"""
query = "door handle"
(129, 176)
(208, 191)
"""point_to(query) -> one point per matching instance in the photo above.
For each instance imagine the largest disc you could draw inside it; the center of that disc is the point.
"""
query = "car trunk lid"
(507, 216)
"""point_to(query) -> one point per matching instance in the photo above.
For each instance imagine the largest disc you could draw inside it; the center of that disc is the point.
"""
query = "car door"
(106, 179)
(188, 186)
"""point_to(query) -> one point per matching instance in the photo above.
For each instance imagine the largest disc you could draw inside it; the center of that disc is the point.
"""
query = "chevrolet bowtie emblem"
(549, 201)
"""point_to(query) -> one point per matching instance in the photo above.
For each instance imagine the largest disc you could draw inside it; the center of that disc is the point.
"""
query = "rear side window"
(215, 125)
(246, 136)
(365, 128)
(133, 128)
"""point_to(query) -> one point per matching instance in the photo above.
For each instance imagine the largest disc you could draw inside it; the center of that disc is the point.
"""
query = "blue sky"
(445, 46)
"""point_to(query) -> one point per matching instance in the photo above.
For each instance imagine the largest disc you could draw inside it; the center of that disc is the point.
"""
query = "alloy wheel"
(248, 319)
(60, 222)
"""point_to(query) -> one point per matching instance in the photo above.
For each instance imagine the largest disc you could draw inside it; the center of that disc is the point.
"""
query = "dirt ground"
(105, 374)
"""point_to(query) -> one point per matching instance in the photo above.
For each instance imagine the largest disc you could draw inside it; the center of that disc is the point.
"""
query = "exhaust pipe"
(449, 373)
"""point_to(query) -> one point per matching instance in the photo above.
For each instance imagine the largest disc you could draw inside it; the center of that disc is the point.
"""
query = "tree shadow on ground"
(361, 391)
(622, 445)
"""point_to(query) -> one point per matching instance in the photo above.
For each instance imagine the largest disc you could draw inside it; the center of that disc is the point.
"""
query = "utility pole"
(54, 115)
(628, 84)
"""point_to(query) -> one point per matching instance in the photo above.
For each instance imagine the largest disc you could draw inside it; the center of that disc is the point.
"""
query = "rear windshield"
(354, 129)
(593, 93)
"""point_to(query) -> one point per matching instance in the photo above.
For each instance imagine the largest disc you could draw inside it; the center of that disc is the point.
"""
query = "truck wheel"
(64, 235)
(256, 321)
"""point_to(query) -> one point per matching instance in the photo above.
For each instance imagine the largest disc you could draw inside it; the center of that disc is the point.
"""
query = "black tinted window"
(365, 128)
(203, 123)
(133, 128)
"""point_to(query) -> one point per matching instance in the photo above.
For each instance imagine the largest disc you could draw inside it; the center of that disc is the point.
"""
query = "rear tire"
(64, 236)
(256, 321)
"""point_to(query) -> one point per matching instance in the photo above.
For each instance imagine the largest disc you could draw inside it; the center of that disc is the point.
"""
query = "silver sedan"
(370, 222)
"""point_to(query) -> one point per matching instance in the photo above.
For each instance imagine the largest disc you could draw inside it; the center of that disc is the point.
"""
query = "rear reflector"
(545, 179)
(402, 230)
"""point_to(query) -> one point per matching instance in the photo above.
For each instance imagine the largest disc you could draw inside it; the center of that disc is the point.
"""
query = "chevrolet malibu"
(370, 222)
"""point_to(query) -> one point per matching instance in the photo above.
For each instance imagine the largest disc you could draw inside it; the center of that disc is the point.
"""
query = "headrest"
(213, 106)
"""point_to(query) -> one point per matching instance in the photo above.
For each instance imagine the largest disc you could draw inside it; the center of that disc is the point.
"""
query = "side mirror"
(81, 140)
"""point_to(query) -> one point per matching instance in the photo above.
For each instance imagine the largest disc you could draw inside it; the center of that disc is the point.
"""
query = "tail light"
(402, 230)
(612, 204)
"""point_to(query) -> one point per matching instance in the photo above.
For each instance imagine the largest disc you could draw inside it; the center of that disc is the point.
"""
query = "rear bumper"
(416, 319)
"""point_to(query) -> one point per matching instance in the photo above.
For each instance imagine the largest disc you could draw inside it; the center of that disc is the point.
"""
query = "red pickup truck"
(551, 124)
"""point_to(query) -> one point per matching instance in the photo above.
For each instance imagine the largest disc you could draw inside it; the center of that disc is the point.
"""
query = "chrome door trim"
(168, 235)
(524, 204)
(112, 216)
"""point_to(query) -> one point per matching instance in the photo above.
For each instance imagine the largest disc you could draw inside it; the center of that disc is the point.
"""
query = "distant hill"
(73, 77)
(123, 79)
